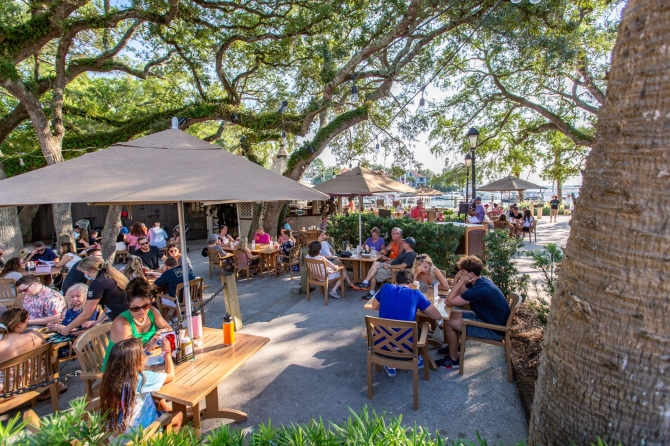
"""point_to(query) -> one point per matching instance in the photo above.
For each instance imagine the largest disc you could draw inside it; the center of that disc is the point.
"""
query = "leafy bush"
(539, 305)
(548, 261)
(438, 241)
(365, 427)
(501, 249)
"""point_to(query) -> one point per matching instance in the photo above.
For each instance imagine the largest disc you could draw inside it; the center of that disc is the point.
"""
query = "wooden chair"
(215, 260)
(513, 300)
(293, 259)
(317, 274)
(531, 230)
(431, 214)
(7, 290)
(33, 367)
(195, 287)
(504, 225)
(90, 349)
(312, 235)
(389, 345)
(242, 262)
(121, 256)
(394, 270)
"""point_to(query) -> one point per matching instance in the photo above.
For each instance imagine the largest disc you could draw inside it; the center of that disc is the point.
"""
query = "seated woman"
(13, 269)
(75, 298)
(136, 231)
(427, 274)
(134, 269)
(375, 241)
(328, 252)
(510, 226)
(68, 258)
(16, 340)
(141, 320)
(175, 239)
(213, 242)
(315, 253)
(527, 221)
(157, 236)
(125, 391)
(282, 236)
(173, 251)
(83, 243)
(224, 237)
(255, 262)
(121, 242)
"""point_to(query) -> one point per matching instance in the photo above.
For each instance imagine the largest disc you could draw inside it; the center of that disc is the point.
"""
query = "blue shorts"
(479, 332)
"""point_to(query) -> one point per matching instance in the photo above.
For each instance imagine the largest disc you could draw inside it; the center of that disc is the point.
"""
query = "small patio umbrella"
(509, 183)
(423, 192)
(361, 181)
(166, 167)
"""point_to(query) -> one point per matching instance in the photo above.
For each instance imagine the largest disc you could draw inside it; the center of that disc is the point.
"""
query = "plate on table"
(364, 255)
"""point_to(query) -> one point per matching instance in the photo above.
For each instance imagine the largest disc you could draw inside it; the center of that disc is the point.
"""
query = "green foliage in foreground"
(438, 241)
(501, 250)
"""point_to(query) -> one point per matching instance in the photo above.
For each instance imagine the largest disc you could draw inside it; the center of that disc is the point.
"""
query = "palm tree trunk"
(604, 365)
(110, 231)
(10, 234)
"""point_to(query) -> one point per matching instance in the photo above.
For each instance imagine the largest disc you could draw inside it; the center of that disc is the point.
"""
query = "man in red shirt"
(418, 213)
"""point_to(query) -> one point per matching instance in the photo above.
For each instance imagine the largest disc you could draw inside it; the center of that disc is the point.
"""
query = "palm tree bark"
(110, 231)
(604, 365)
(10, 234)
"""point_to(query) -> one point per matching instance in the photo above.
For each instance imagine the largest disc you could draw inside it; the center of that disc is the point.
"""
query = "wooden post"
(230, 296)
(303, 270)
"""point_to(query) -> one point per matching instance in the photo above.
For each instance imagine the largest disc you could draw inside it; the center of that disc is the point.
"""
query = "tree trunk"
(255, 218)
(62, 215)
(110, 231)
(273, 212)
(604, 364)
(559, 190)
(26, 217)
(10, 235)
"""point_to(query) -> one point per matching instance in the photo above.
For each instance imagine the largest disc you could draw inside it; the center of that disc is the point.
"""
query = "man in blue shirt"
(487, 302)
(41, 252)
(400, 302)
(173, 276)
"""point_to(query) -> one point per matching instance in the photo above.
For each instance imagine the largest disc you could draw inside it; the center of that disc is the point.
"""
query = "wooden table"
(361, 265)
(268, 256)
(43, 275)
(199, 380)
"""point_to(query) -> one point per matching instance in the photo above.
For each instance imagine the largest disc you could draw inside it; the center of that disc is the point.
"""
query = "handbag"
(344, 254)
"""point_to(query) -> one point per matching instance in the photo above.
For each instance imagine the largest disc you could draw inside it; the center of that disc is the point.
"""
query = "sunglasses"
(40, 250)
(143, 307)
(144, 244)
(422, 257)
(23, 290)
(172, 250)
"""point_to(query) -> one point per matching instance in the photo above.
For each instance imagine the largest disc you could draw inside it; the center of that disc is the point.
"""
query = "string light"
(234, 117)
(283, 108)
(354, 89)
(422, 102)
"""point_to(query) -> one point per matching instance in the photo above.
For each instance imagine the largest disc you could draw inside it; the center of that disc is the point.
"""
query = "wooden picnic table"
(267, 253)
(199, 380)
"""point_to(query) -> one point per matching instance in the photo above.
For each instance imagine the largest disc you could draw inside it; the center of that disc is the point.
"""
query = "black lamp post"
(468, 163)
(472, 135)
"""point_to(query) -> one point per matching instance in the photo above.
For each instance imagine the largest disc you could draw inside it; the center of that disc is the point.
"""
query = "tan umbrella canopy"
(166, 167)
(509, 183)
(361, 181)
(423, 192)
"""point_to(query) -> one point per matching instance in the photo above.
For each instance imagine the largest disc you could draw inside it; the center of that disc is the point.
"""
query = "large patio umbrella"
(508, 184)
(166, 167)
(361, 181)
(423, 192)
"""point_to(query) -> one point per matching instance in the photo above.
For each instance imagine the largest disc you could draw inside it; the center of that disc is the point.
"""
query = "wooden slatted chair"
(90, 349)
(532, 230)
(389, 345)
(312, 235)
(215, 260)
(30, 368)
(7, 292)
(242, 262)
(513, 299)
(317, 274)
(195, 287)
(292, 259)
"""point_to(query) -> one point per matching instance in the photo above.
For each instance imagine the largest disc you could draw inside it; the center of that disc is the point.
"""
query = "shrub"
(438, 241)
(548, 261)
(501, 249)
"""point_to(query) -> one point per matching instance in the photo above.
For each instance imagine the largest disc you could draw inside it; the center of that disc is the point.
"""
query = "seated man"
(150, 255)
(41, 252)
(418, 213)
(487, 302)
(392, 250)
(477, 210)
(43, 304)
(380, 272)
(401, 303)
(173, 276)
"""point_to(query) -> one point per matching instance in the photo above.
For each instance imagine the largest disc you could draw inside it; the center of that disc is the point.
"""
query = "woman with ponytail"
(107, 289)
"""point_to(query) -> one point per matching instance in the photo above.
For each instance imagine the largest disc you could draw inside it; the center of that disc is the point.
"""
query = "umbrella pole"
(239, 228)
(360, 225)
(184, 268)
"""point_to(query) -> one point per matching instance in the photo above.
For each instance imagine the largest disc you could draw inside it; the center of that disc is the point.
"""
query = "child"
(125, 392)
(134, 269)
(75, 298)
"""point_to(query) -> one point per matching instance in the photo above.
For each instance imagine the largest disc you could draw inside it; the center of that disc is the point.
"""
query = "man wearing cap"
(76, 233)
(380, 272)
(477, 210)
(418, 211)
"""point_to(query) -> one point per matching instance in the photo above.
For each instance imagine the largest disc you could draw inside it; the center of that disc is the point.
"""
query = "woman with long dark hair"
(125, 392)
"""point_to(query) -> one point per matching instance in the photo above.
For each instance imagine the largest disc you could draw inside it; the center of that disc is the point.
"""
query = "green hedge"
(438, 241)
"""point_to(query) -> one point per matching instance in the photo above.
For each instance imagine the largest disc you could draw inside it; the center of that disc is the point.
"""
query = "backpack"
(204, 251)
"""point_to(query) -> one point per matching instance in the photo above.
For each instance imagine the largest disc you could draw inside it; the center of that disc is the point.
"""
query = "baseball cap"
(478, 198)
(410, 241)
(77, 227)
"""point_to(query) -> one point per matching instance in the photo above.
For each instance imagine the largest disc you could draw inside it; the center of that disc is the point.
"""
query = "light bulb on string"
(354, 94)
(422, 101)
(283, 136)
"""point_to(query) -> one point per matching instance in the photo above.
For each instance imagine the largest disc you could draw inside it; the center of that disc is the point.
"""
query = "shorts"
(479, 332)
(525, 229)
(383, 274)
